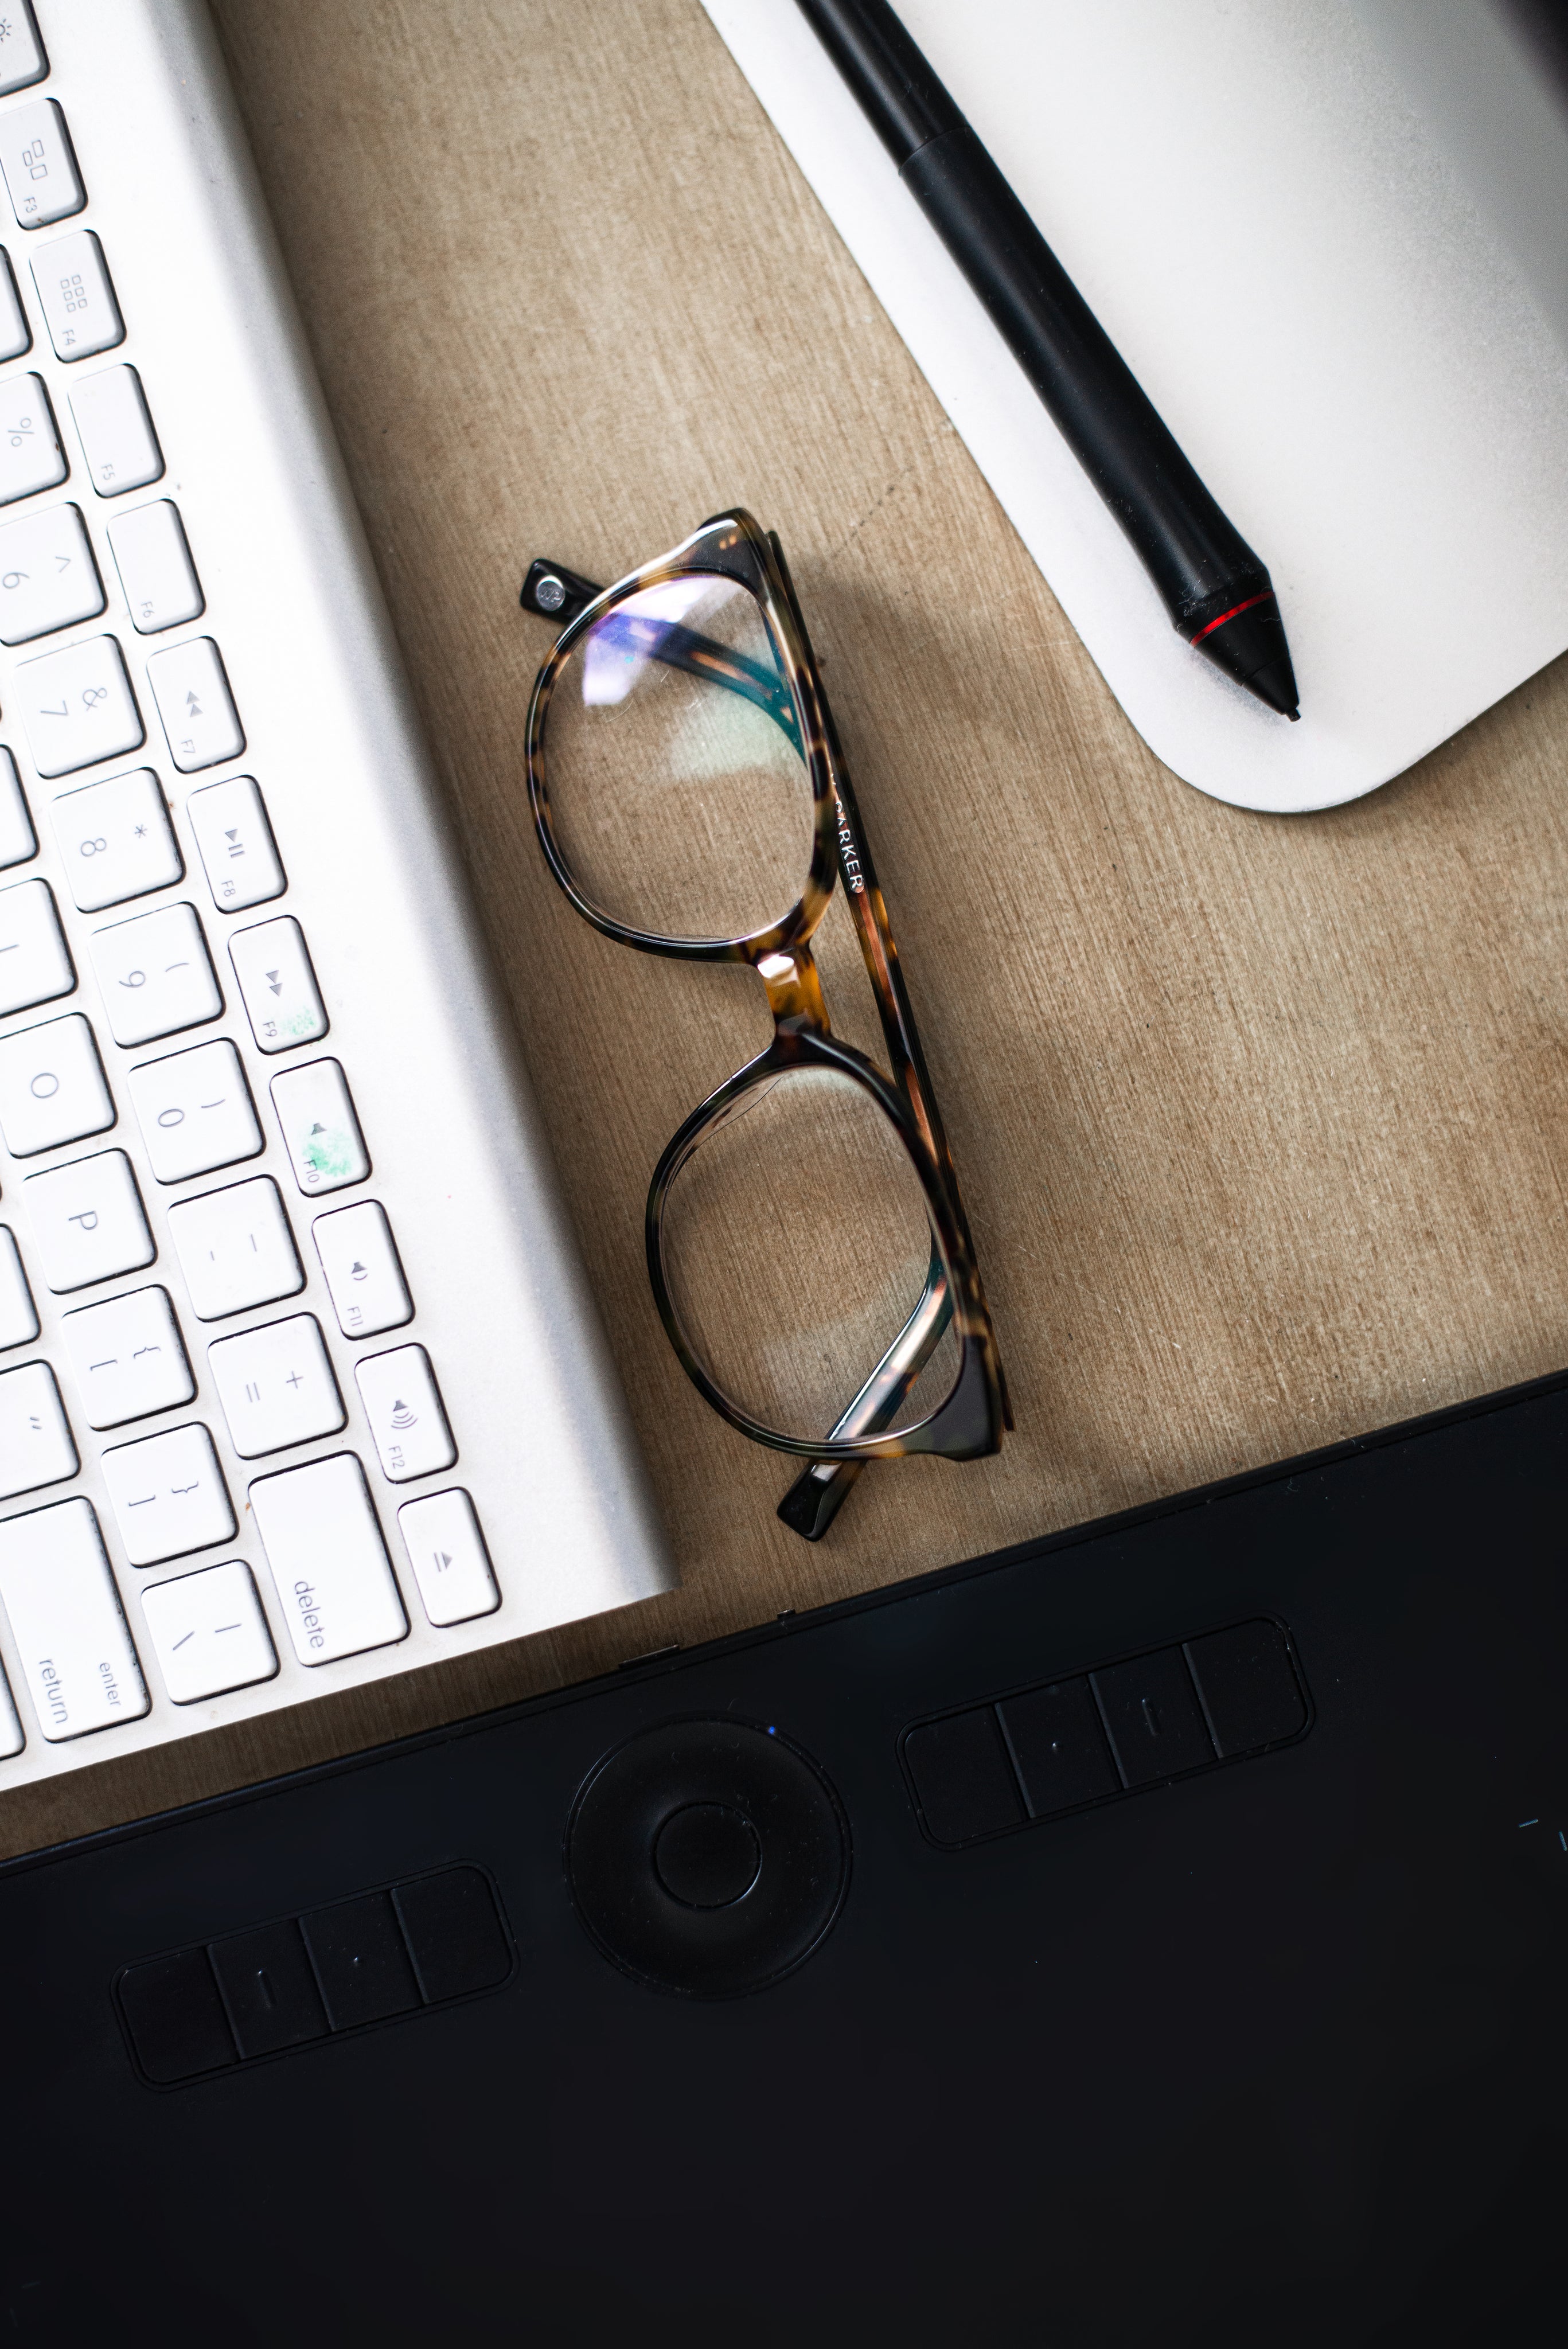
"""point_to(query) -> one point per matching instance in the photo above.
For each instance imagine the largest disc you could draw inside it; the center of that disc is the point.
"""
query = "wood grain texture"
(1261, 1121)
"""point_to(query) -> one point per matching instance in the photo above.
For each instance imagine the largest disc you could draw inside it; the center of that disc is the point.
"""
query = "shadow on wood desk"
(1260, 1121)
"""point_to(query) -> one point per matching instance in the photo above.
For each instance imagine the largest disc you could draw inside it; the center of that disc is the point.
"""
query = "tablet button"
(1249, 1687)
(1060, 1747)
(1152, 1712)
(707, 1856)
(964, 1780)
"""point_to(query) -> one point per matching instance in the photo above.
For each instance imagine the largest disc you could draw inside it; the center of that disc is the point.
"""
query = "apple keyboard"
(299, 1383)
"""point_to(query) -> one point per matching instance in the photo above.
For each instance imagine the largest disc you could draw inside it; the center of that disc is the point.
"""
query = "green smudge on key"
(326, 1152)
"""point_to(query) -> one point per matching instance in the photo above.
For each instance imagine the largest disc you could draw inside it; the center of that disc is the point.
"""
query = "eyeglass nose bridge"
(790, 975)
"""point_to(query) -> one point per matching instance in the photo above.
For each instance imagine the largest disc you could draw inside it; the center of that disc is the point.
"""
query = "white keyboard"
(299, 1386)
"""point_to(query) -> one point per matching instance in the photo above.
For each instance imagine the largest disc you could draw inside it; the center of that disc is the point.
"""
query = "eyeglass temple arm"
(819, 1492)
(870, 917)
(905, 1059)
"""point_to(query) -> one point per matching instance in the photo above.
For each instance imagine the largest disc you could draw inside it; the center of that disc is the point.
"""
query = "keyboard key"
(326, 1554)
(116, 839)
(52, 1087)
(11, 1738)
(278, 986)
(35, 962)
(18, 1314)
(88, 1222)
(168, 1495)
(36, 1445)
(117, 435)
(404, 1407)
(78, 706)
(41, 176)
(208, 1632)
(16, 335)
(75, 296)
(22, 58)
(155, 568)
(447, 1552)
(156, 975)
(127, 1358)
(364, 1277)
(195, 1112)
(75, 1653)
(47, 575)
(195, 704)
(236, 1249)
(18, 839)
(234, 837)
(275, 1385)
(320, 1130)
(31, 457)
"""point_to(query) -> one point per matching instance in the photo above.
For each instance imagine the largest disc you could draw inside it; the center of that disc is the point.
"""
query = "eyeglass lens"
(796, 1248)
(679, 797)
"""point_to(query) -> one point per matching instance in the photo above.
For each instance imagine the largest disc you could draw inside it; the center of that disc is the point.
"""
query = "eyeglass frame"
(969, 1422)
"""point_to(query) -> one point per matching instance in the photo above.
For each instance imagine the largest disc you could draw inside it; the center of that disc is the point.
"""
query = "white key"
(77, 706)
(76, 1659)
(155, 568)
(156, 975)
(168, 1495)
(327, 1560)
(275, 1385)
(234, 837)
(47, 576)
(31, 457)
(364, 1278)
(36, 1447)
(195, 1112)
(18, 1314)
(117, 435)
(447, 1552)
(16, 335)
(22, 58)
(41, 175)
(320, 1130)
(11, 1738)
(52, 1086)
(404, 1407)
(18, 839)
(208, 1632)
(88, 1222)
(236, 1249)
(116, 839)
(195, 704)
(35, 962)
(75, 296)
(127, 1358)
(281, 997)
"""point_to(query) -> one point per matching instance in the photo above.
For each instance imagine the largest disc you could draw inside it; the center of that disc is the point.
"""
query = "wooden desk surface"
(1261, 1122)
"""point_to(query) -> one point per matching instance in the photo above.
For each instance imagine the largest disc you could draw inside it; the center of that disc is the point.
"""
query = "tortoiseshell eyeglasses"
(807, 1247)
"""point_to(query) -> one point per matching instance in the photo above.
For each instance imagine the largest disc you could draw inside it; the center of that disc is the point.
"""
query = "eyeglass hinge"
(555, 593)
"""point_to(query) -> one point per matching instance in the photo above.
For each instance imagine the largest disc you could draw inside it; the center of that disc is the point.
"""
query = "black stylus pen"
(1217, 593)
